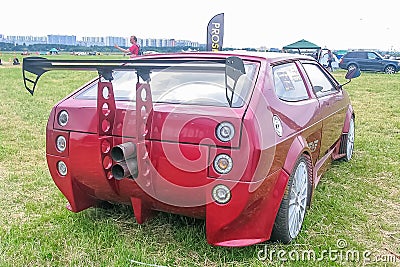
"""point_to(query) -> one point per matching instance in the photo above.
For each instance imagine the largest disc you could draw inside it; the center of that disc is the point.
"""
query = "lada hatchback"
(238, 139)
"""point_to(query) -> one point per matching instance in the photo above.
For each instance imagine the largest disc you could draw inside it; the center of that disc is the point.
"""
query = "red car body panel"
(179, 145)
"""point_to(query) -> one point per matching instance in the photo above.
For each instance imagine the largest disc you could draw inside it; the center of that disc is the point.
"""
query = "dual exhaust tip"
(125, 156)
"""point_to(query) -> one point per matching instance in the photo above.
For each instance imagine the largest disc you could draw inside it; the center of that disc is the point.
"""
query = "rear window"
(178, 85)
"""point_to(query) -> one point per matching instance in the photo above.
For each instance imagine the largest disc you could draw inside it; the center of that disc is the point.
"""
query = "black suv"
(369, 61)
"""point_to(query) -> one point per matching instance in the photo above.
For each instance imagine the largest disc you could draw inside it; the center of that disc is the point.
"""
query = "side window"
(372, 55)
(321, 84)
(289, 85)
(351, 55)
(363, 55)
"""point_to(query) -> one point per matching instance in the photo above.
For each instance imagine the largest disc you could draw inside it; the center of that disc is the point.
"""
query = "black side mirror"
(351, 74)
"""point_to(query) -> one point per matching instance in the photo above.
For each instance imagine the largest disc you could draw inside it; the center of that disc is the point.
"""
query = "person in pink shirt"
(133, 51)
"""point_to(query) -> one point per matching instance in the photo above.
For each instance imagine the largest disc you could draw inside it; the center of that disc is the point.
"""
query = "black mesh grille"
(343, 141)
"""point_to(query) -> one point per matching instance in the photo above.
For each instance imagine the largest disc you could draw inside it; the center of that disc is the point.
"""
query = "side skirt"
(320, 163)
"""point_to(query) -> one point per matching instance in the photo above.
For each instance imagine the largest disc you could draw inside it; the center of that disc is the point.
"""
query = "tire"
(351, 66)
(291, 213)
(390, 69)
(349, 147)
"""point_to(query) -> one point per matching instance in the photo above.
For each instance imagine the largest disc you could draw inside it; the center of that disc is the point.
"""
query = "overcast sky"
(338, 24)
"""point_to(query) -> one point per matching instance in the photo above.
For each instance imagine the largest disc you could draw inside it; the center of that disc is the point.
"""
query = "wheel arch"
(341, 146)
(352, 63)
(390, 65)
(349, 114)
(300, 147)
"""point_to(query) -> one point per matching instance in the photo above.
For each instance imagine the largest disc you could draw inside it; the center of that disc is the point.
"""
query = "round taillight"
(62, 168)
(221, 194)
(63, 118)
(223, 163)
(61, 143)
(225, 131)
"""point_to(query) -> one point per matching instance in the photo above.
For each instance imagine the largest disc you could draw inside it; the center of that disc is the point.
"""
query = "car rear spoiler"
(34, 67)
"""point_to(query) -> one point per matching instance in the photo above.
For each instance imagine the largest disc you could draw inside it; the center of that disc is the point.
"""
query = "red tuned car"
(240, 140)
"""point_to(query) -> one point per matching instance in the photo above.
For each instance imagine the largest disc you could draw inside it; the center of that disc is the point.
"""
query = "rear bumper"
(244, 222)
(246, 219)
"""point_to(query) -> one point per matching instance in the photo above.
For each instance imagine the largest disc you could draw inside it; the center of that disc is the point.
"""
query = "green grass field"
(355, 211)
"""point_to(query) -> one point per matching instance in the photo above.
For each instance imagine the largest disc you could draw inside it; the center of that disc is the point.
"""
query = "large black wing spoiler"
(34, 67)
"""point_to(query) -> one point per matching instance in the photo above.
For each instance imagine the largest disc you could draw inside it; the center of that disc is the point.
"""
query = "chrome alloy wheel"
(298, 199)
(390, 69)
(350, 140)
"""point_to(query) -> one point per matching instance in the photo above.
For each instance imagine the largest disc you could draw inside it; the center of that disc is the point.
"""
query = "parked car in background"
(369, 61)
(238, 139)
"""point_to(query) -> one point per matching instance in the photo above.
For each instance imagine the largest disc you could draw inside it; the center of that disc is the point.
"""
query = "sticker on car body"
(277, 125)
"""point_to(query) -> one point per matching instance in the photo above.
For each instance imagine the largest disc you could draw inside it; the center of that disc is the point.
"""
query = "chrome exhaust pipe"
(123, 152)
(124, 169)
(126, 164)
